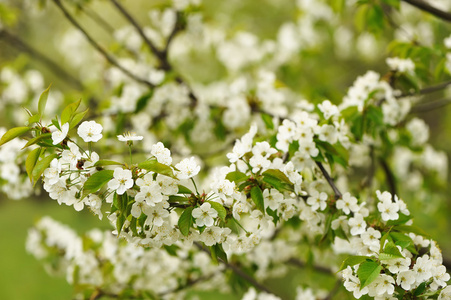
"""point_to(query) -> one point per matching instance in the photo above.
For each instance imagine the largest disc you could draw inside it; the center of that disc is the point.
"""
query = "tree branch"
(21, 45)
(391, 181)
(329, 179)
(238, 271)
(96, 18)
(300, 264)
(138, 28)
(424, 6)
(162, 56)
(102, 51)
(430, 106)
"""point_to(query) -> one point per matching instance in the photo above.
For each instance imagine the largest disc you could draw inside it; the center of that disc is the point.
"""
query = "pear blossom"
(59, 135)
(187, 168)
(204, 215)
(90, 131)
(122, 181)
(129, 137)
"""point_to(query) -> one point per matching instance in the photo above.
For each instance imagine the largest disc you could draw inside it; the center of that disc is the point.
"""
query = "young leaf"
(218, 252)
(186, 221)
(222, 213)
(101, 163)
(368, 272)
(277, 174)
(236, 176)
(257, 197)
(390, 252)
(352, 260)
(97, 181)
(13, 133)
(69, 111)
(43, 100)
(154, 166)
(31, 161)
(41, 166)
(37, 139)
(184, 190)
(77, 119)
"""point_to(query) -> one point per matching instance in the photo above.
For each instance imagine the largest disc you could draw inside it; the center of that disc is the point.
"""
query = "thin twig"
(430, 106)
(188, 284)
(424, 6)
(391, 181)
(334, 290)
(138, 28)
(99, 48)
(18, 43)
(96, 18)
(300, 264)
(238, 271)
(329, 179)
(428, 90)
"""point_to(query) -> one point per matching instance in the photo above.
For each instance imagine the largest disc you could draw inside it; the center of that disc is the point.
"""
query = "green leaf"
(154, 166)
(237, 177)
(34, 119)
(420, 289)
(77, 119)
(13, 133)
(401, 220)
(31, 161)
(177, 199)
(277, 174)
(390, 252)
(186, 221)
(184, 190)
(41, 166)
(352, 261)
(43, 101)
(395, 3)
(97, 180)
(120, 223)
(37, 139)
(411, 228)
(267, 119)
(69, 111)
(368, 272)
(257, 197)
(222, 213)
(218, 252)
(102, 163)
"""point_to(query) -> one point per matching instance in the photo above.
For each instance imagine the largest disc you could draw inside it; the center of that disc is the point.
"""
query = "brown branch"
(427, 90)
(391, 181)
(162, 56)
(300, 264)
(155, 51)
(21, 45)
(329, 179)
(424, 6)
(99, 48)
(430, 106)
(238, 271)
(96, 18)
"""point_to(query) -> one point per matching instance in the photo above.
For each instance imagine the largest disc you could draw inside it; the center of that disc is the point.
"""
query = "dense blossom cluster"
(285, 183)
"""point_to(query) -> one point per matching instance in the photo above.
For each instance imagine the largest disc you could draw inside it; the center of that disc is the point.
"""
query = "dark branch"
(21, 45)
(138, 28)
(238, 272)
(99, 48)
(430, 106)
(391, 181)
(300, 264)
(428, 90)
(96, 18)
(446, 16)
(337, 192)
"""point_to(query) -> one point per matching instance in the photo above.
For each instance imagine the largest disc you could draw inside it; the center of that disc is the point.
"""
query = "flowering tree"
(194, 139)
